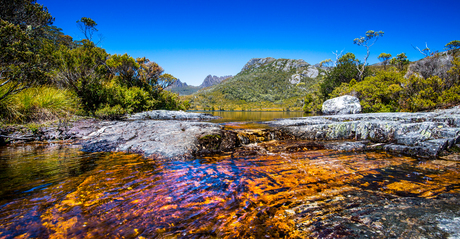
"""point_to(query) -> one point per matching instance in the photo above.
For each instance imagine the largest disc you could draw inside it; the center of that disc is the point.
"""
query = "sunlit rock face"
(423, 134)
(342, 105)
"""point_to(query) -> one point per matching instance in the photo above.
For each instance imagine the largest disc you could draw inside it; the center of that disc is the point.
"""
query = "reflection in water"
(270, 190)
(252, 116)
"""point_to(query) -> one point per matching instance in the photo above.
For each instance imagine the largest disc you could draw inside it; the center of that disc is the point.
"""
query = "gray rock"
(437, 65)
(156, 139)
(424, 134)
(171, 115)
(342, 105)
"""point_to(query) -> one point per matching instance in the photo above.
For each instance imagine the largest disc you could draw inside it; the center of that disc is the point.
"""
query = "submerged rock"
(342, 105)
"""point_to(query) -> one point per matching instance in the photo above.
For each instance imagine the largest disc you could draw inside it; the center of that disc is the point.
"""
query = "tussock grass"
(38, 104)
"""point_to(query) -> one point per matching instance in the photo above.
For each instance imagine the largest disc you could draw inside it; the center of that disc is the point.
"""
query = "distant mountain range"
(184, 89)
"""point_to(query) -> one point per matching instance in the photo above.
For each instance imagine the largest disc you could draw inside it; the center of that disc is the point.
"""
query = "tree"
(384, 57)
(83, 70)
(87, 26)
(367, 41)
(25, 56)
(400, 61)
(166, 80)
(326, 63)
(27, 14)
(124, 68)
(453, 46)
(345, 70)
(149, 71)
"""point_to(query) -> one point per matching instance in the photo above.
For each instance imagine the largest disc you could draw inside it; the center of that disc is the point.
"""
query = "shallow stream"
(276, 189)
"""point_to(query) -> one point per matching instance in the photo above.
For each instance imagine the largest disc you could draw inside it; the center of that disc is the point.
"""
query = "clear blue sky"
(191, 39)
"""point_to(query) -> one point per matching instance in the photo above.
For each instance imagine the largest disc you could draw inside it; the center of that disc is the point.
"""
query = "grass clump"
(38, 104)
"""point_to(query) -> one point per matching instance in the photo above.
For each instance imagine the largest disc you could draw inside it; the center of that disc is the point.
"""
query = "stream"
(275, 189)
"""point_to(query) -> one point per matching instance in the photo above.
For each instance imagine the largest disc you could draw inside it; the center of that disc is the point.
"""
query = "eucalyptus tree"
(367, 41)
(384, 57)
(25, 55)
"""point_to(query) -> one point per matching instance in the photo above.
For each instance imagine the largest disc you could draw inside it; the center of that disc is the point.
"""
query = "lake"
(251, 116)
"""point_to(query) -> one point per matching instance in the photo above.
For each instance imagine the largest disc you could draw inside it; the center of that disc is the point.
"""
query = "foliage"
(25, 56)
(124, 68)
(37, 104)
(108, 112)
(453, 46)
(30, 16)
(313, 101)
(326, 63)
(267, 87)
(87, 26)
(82, 70)
(133, 99)
(400, 61)
(384, 57)
(344, 72)
(389, 91)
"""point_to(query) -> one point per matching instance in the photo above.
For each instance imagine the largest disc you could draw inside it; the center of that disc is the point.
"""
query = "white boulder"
(346, 104)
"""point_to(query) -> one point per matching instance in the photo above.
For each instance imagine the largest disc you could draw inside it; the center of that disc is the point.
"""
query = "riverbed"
(274, 189)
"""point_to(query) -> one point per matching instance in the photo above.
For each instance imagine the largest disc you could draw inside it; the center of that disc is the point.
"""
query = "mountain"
(213, 80)
(262, 84)
(183, 89)
(177, 84)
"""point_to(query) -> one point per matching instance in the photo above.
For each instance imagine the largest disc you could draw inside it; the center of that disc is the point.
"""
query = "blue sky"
(192, 39)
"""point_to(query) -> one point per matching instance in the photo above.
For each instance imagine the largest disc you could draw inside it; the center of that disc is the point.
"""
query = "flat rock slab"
(171, 115)
(424, 134)
(158, 139)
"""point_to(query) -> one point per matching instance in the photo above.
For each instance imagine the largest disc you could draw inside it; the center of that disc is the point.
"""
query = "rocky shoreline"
(181, 135)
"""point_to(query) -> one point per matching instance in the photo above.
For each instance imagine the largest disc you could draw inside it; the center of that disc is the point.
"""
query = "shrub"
(38, 104)
(133, 99)
(110, 112)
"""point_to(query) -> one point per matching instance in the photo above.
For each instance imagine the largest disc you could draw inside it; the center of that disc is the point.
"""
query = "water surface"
(278, 189)
(252, 116)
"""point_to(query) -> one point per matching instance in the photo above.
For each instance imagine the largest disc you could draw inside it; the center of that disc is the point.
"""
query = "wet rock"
(157, 139)
(171, 115)
(425, 134)
(342, 105)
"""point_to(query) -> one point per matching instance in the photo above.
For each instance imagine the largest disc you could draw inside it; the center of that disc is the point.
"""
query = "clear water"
(278, 189)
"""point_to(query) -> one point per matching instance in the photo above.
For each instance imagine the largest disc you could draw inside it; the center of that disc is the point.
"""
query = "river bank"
(176, 134)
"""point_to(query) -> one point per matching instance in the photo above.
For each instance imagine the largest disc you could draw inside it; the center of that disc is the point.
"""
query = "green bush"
(111, 112)
(38, 104)
(132, 99)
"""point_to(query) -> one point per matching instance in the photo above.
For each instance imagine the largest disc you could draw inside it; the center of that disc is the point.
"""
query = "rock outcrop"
(342, 105)
(416, 134)
(278, 64)
(158, 139)
(437, 65)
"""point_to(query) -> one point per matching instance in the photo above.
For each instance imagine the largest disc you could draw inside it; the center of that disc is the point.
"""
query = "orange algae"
(275, 193)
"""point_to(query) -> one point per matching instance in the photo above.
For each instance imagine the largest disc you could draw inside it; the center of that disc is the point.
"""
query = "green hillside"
(263, 84)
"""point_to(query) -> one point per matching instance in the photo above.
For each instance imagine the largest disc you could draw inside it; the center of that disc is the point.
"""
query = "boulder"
(346, 104)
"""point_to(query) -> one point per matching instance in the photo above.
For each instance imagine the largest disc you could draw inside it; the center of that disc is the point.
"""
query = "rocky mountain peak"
(212, 80)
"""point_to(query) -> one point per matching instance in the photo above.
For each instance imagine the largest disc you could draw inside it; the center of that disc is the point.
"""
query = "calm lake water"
(251, 116)
(277, 189)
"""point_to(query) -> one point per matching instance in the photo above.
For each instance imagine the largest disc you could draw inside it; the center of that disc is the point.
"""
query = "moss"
(211, 137)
